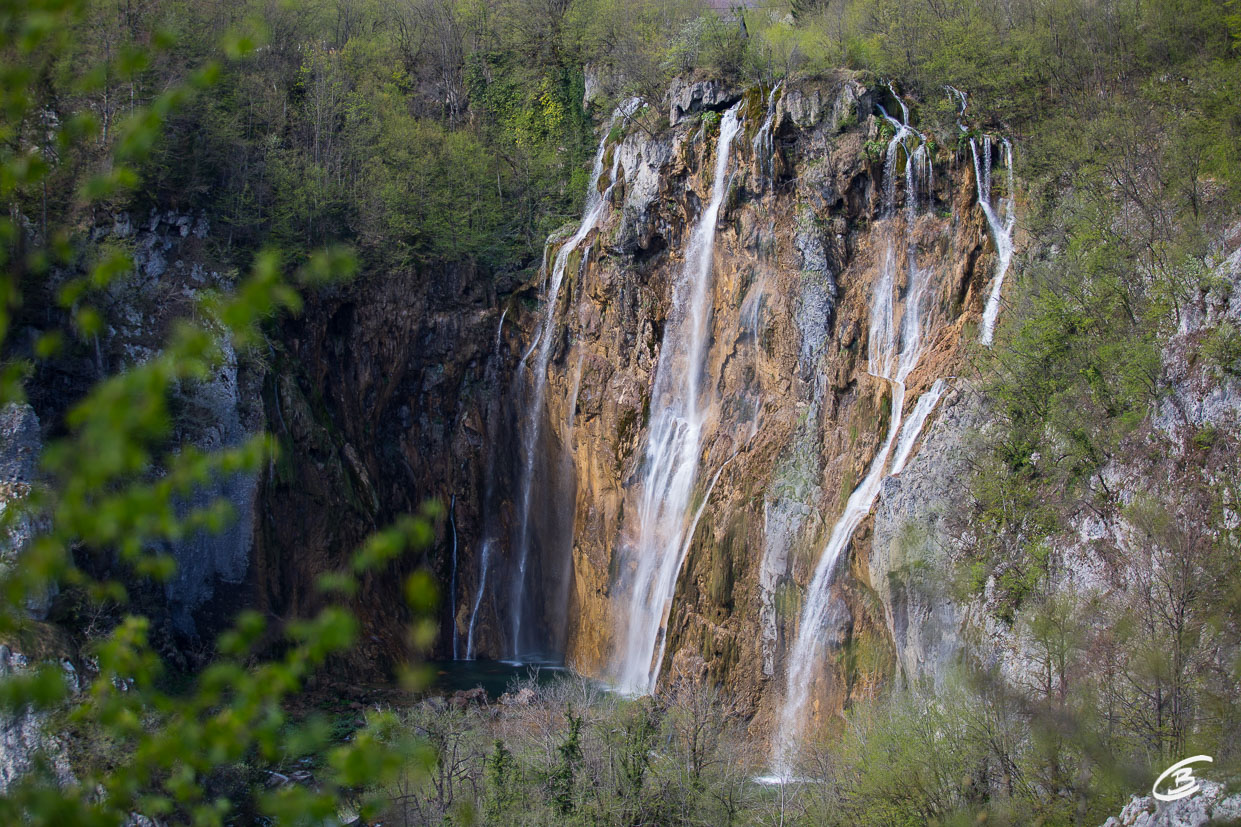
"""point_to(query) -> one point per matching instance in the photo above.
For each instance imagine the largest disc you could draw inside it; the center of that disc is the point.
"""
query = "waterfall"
(484, 562)
(452, 580)
(661, 644)
(893, 350)
(1001, 227)
(541, 349)
(959, 98)
(484, 566)
(913, 425)
(649, 569)
(764, 144)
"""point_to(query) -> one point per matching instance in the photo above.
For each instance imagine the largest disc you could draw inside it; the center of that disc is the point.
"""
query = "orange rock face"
(794, 417)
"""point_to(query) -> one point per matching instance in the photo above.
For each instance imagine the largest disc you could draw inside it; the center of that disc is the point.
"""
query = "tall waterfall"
(649, 569)
(893, 351)
(541, 349)
(452, 580)
(484, 561)
(1001, 226)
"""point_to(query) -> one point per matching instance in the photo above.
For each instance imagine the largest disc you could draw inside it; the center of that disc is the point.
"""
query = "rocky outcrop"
(21, 443)
(1208, 806)
(174, 262)
(24, 742)
(689, 97)
(915, 530)
(173, 265)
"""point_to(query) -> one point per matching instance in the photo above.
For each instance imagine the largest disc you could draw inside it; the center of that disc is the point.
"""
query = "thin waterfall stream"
(541, 349)
(1001, 226)
(649, 567)
(484, 562)
(893, 352)
(452, 581)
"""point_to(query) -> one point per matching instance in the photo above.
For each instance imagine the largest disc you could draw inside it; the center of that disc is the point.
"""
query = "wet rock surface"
(794, 418)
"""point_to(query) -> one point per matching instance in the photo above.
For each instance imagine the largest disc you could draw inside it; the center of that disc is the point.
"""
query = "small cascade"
(484, 560)
(541, 350)
(484, 566)
(1000, 223)
(649, 568)
(576, 385)
(913, 425)
(959, 97)
(893, 352)
(764, 143)
(452, 580)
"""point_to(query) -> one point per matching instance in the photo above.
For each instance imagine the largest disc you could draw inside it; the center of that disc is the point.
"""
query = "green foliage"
(500, 782)
(560, 781)
(1118, 209)
(1222, 349)
(113, 486)
(569, 754)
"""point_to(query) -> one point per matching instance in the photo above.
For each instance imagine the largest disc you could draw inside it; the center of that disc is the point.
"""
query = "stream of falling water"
(452, 581)
(649, 569)
(484, 559)
(893, 352)
(541, 349)
(764, 143)
(1001, 226)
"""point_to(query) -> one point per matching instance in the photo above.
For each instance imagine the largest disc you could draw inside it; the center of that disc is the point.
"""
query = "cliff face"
(384, 395)
(175, 261)
(412, 385)
(792, 415)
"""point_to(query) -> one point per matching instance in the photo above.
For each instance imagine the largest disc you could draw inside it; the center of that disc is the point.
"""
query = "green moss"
(885, 412)
(849, 118)
(848, 481)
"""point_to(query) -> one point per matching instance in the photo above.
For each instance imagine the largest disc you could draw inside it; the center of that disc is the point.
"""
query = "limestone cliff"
(794, 417)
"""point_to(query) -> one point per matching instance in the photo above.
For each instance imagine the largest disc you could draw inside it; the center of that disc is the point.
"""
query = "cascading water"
(576, 385)
(596, 204)
(960, 99)
(1001, 226)
(484, 559)
(484, 566)
(893, 352)
(452, 580)
(913, 425)
(649, 568)
(764, 139)
(1000, 223)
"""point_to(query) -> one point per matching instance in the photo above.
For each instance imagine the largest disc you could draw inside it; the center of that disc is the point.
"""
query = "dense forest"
(336, 143)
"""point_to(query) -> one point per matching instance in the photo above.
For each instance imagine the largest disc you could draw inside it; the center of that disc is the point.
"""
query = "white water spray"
(764, 144)
(649, 569)
(541, 349)
(1001, 226)
(913, 425)
(959, 97)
